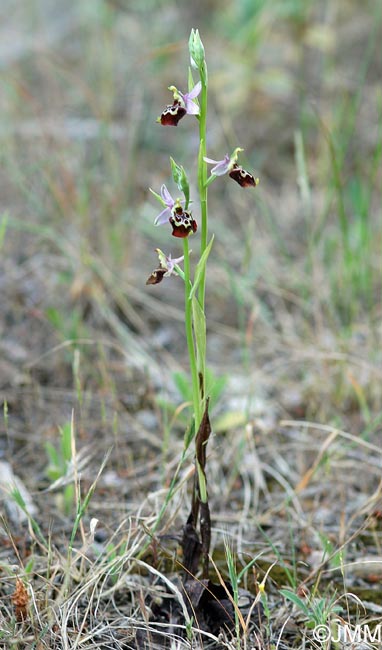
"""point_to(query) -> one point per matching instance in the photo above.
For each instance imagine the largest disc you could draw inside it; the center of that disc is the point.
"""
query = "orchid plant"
(176, 212)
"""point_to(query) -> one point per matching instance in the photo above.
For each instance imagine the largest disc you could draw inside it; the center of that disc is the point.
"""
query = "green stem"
(203, 194)
(189, 334)
(202, 179)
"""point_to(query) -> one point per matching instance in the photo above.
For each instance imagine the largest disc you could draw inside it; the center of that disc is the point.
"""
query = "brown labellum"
(182, 223)
(241, 176)
(172, 114)
(156, 276)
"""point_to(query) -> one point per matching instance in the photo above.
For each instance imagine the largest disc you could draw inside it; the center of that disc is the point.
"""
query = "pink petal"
(170, 266)
(177, 260)
(172, 262)
(212, 162)
(191, 107)
(221, 166)
(220, 169)
(166, 196)
(162, 217)
(195, 91)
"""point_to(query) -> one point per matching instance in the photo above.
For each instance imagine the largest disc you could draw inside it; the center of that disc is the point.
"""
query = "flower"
(167, 200)
(182, 105)
(183, 224)
(181, 221)
(167, 267)
(228, 165)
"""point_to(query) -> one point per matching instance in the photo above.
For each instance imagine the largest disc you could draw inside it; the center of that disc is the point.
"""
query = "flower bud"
(196, 49)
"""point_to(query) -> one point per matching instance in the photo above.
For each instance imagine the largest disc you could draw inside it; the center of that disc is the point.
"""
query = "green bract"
(180, 177)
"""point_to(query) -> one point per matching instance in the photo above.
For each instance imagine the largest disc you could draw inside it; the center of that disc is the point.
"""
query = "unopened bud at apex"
(196, 49)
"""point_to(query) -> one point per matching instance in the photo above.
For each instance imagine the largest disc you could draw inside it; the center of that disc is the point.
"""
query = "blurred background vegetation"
(295, 281)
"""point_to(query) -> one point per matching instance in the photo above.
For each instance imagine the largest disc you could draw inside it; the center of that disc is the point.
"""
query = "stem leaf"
(201, 266)
(199, 320)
